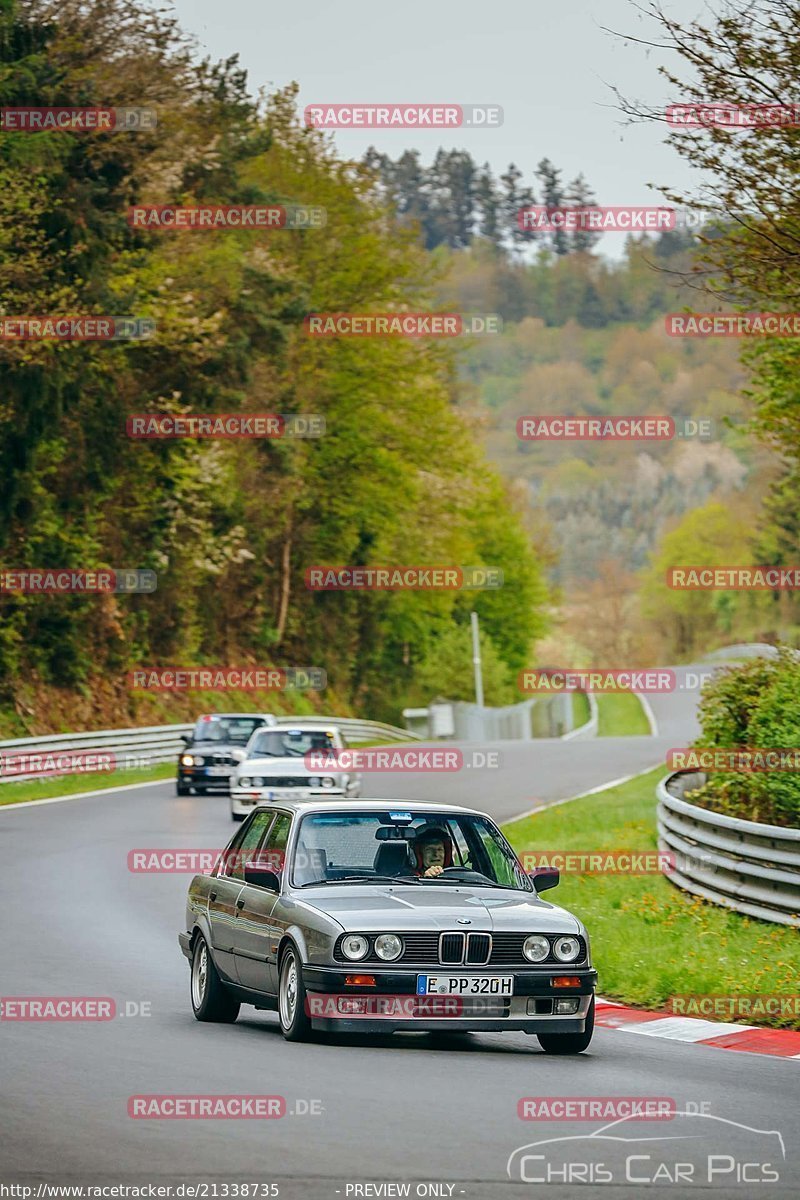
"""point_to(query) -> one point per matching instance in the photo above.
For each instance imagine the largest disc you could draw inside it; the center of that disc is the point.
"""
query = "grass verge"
(620, 714)
(66, 785)
(581, 711)
(651, 941)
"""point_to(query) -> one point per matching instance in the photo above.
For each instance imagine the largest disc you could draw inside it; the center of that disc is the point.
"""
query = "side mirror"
(185, 739)
(547, 878)
(262, 877)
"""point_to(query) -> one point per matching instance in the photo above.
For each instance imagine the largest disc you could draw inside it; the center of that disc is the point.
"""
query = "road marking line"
(603, 787)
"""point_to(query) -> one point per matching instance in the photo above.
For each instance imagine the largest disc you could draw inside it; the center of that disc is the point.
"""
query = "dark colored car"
(213, 749)
(377, 916)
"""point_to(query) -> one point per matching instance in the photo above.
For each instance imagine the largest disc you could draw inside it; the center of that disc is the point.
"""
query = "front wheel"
(211, 1000)
(295, 1025)
(237, 816)
(182, 789)
(569, 1043)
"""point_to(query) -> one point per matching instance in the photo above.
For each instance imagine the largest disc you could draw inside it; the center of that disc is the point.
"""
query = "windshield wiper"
(375, 879)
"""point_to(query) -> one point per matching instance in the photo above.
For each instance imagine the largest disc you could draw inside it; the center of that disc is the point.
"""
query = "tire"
(237, 816)
(182, 789)
(295, 1024)
(211, 1000)
(569, 1043)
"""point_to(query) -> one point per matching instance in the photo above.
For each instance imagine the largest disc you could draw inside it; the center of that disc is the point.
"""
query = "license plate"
(218, 771)
(465, 985)
(284, 794)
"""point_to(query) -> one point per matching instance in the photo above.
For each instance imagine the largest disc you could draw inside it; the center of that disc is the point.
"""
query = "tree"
(748, 256)
(580, 195)
(693, 620)
(488, 200)
(553, 198)
(514, 199)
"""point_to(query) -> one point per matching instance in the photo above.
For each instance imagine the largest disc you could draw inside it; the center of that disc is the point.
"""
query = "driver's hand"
(432, 872)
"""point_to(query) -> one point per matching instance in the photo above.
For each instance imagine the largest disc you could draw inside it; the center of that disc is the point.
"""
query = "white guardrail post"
(748, 866)
(33, 757)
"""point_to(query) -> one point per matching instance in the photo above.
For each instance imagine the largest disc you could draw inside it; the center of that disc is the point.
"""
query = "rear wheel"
(295, 1024)
(569, 1043)
(211, 1000)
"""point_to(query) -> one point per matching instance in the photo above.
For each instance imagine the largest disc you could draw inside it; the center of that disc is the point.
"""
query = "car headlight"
(187, 760)
(258, 781)
(313, 781)
(536, 948)
(354, 947)
(328, 781)
(566, 949)
(388, 946)
(244, 781)
(198, 760)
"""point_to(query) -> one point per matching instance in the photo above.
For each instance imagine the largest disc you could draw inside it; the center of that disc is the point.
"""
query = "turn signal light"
(359, 981)
(566, 981)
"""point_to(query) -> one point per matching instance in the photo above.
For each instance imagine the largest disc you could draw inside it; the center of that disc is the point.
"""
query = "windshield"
(235, 730)
(288, 743)
(430, 849)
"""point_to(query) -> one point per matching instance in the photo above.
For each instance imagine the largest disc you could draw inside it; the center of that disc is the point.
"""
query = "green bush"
(755, 705)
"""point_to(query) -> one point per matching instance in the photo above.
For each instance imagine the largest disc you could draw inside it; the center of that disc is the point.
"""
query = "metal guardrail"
(590, 727)
(354, 729)
(538, 717)
(748, 866)
(147, 746)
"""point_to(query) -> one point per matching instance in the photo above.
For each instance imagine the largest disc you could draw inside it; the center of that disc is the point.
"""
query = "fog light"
(566, 1006)
(352, 1005)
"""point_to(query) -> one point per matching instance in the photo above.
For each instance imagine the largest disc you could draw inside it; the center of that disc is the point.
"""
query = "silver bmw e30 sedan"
(375, 916)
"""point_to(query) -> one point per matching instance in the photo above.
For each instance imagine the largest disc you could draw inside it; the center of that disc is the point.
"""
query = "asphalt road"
(77, 922)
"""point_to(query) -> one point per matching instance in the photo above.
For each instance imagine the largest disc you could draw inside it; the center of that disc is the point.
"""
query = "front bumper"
(203, 777)
(243, 799)
(393, 1005)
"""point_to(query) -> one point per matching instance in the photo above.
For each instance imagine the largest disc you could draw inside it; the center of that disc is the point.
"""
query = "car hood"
(408, 908)
(213, 748)
(277, 766)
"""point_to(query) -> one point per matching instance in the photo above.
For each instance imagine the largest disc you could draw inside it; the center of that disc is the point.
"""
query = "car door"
(226, 887)
(256, 944)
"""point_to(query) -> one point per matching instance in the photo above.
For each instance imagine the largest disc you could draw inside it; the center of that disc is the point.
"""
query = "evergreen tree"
(553, 197)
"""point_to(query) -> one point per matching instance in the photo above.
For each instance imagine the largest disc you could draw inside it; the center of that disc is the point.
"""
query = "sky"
(550, 66)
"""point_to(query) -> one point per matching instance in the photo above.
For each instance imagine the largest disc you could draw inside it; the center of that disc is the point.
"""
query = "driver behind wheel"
(433, 851)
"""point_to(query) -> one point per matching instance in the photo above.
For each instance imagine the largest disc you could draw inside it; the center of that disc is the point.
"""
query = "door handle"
(240, 903)
(212, 895)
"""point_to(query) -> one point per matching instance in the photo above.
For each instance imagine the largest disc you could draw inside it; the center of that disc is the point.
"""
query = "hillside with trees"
(229, 527)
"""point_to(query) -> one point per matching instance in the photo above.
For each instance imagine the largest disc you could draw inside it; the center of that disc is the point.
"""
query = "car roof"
(225, 715)
(364, 806)
(313, 724)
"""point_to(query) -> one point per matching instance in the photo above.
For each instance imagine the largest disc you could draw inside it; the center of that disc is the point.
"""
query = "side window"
(246, 845)
(273, 853)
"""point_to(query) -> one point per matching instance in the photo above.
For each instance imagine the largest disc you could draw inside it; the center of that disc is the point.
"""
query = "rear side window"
(273, 851)
(246, 844)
